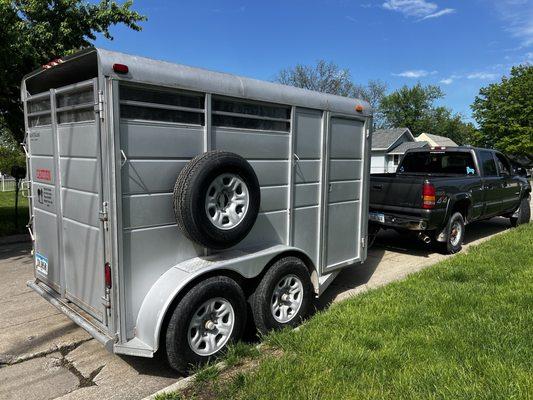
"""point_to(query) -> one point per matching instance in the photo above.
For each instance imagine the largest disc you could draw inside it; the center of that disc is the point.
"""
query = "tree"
(11, 154)
(504, 113)
(328, 77)
(414, 108)
(33, 32)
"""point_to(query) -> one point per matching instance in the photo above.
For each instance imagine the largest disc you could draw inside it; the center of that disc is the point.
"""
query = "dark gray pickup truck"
(436, 192)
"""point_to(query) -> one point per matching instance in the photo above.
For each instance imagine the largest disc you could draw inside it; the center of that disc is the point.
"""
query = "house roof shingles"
(402, 148)
(440, 140)
(384, 138)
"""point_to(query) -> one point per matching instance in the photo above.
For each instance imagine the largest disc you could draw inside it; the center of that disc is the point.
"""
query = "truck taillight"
(428, 195)
(107, 275)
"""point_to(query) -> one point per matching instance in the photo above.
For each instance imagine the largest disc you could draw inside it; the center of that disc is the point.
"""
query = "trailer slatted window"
(143, 103)
(250, 115)
(39, 112)
(75, 106)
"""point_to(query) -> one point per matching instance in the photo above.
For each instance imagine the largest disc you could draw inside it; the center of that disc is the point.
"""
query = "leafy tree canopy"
(10, 154)
(504, 113)
(414, 107)
(33, 32)
(328, 77)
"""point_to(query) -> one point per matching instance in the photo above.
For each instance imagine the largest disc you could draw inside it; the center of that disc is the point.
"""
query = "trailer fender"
(157, 302)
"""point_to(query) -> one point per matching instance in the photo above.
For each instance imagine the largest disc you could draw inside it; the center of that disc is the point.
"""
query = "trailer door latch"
(103, 215)
(100, 105)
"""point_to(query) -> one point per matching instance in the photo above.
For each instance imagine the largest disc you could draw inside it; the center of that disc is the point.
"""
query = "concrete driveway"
(45, 356)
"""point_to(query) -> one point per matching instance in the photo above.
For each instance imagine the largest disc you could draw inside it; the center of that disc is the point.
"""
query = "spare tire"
(216, 199)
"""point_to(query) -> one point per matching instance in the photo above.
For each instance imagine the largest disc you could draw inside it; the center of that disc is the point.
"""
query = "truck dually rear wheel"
(523, 214)
(455, 233)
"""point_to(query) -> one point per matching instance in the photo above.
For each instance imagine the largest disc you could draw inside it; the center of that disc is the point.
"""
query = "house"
(388, 145)
(435, 140)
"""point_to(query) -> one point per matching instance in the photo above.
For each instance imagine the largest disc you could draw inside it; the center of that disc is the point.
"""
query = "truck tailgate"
(395, 190)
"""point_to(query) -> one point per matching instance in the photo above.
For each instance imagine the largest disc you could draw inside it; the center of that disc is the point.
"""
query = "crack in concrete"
(6, 360)
(84, 381)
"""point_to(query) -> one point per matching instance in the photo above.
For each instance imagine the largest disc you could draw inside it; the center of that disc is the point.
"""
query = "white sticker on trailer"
(41, 264)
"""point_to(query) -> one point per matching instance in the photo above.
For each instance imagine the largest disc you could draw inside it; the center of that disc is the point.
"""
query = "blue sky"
(460, 45)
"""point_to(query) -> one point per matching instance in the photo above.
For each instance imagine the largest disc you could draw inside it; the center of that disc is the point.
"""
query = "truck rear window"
(453, 163)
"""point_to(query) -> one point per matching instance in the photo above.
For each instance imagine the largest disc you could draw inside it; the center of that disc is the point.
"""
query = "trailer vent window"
(39, 120)
(66, 117)
(250, 115)
(162, 105)
(75, 98)
(39, 112)
(39, 105)
(157, 114)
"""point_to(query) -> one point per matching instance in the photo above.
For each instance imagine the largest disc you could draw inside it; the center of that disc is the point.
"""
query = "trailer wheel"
(216, 199)
(284, 295)
(523, 214)
(211, 315)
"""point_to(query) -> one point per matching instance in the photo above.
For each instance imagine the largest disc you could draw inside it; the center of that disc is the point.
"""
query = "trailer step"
(72, 314)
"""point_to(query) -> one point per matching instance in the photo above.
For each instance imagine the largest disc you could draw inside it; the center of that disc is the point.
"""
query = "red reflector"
(120, 68)
(107, 274)
(359, 108)
(428, 195)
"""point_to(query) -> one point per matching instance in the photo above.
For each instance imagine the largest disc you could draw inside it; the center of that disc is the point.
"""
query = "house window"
(396, 159)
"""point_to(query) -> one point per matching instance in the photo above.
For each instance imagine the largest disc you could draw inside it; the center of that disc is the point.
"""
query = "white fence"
(7, 184)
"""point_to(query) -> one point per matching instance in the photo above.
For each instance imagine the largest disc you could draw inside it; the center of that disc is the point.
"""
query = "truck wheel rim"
(287, 298)
(456, 233)
(227, 201)
(211, 326)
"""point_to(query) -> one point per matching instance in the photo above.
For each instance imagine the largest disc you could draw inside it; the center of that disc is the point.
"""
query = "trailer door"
(345, 167)
(67, 197)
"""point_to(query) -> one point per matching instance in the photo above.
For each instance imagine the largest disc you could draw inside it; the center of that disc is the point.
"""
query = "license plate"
(376, 216)
(41, 264)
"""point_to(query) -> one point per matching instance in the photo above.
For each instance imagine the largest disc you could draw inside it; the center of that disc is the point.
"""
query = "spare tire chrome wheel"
(216, 199)
(283, 297)
(227, 201)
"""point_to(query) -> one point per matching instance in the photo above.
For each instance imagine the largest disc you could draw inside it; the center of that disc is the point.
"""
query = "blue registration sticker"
(41, 264)
(470, 171)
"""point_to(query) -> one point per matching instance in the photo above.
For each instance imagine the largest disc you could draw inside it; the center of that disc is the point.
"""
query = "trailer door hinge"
(103, 215)
(363, 242)
(100, 105)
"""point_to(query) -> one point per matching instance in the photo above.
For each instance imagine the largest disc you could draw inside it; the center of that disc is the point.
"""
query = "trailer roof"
(162, 73)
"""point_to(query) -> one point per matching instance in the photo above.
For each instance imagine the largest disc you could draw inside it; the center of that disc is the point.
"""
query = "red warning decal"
(44, 175)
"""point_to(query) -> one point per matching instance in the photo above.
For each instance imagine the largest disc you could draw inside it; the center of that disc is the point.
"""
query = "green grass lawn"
(7, 214)
(462, 329)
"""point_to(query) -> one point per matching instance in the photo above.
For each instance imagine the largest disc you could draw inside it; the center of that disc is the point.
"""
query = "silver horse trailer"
(168, 202)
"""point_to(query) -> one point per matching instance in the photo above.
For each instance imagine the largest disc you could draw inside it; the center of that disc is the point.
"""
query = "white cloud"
(350, 18)
(422, 9)
(446, 81)
(518, 18)
(415, 73)
(439, 13)
(482, 75)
